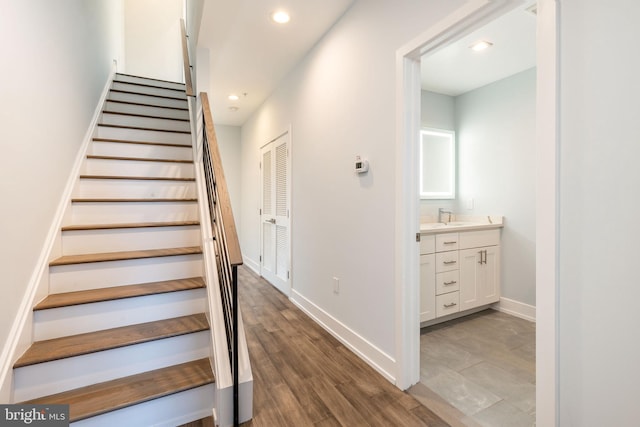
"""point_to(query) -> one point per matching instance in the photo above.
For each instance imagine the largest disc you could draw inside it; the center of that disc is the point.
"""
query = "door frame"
(287, 131)
(473, 14)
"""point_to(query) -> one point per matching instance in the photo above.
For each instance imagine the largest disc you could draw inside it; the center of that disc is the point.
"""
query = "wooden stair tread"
(148, 94)
(135, 200)
(136, 178)
(127, 141)
(147, 105)
(149, 85)
(124, 255)
(129, 225)
(67, 299)
(93, 342)
(204, 422)
(139, 159)
(144, 128)
(108, 396)
(150, 78)
(147, 116)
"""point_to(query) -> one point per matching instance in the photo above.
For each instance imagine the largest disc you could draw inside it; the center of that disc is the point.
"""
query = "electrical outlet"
(336, 285)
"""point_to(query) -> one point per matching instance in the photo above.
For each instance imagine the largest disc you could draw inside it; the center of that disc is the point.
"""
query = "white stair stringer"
(56, 376)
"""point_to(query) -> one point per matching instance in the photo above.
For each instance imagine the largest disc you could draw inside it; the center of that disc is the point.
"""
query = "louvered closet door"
(275, 257)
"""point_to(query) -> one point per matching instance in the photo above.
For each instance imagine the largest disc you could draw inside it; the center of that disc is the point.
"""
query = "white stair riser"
(125, 188)
(129, 239)
(78, 319)
(137, 168)
(121, 107)
(146, 122)
(168, 411)
(118, 213)
(105, 148)
(149, 90)
(144, 81)
(65, 374)
(143, 135)
(148, 100)
(79, 277)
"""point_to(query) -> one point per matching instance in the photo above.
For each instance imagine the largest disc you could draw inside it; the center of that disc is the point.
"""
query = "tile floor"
(479, 370)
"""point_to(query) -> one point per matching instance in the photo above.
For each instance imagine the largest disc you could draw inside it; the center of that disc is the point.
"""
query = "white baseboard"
(20, 335)
(516, 308)
(252, 264)
(376, 358)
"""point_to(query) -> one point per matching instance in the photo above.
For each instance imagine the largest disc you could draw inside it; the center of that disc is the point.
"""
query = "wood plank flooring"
(303, 376)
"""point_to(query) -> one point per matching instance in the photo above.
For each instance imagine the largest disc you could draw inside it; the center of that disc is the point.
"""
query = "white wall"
(56, 59)
(153, 46)
(341, 102)
(229, 143)
(496, 130)
(598, 287)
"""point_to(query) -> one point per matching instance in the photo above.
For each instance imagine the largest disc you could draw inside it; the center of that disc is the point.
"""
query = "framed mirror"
(437, 164)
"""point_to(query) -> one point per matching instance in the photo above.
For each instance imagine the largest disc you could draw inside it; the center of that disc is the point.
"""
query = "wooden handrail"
(230, 231)
(185, 59)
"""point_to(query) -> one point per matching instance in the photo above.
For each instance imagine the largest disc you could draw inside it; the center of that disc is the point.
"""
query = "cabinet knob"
(453, 304)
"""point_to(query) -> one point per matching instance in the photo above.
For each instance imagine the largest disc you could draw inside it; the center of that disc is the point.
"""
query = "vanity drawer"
(478, 239)
(446, 261)
(447, 303)
(447, 282)
(427, 244)
(447, 242)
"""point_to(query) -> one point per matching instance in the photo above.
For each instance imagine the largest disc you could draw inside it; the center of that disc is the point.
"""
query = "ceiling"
(250, 54)
(457, 69)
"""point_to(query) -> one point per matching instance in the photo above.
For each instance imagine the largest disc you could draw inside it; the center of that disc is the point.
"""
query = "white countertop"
(463, 223)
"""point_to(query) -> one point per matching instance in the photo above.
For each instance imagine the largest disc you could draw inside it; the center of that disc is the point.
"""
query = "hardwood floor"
(303, 376)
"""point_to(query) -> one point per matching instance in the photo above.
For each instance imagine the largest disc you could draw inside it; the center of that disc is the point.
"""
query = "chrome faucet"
(442, 211)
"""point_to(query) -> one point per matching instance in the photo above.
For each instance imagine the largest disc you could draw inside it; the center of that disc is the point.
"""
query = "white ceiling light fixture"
(481, 45)
(233, 109)
(281, 17)
(233, 97)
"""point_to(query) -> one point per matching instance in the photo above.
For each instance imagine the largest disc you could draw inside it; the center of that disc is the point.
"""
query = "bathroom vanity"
(459, 267)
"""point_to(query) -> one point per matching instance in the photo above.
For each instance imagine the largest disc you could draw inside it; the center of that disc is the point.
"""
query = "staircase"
(123, 336)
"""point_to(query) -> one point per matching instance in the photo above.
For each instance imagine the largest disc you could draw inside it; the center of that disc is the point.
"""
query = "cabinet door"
(489, 286)
(469, 272)
(479, 276)
(427, 287)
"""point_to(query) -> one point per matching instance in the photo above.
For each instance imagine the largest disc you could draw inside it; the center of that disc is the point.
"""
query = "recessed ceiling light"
(233, 97)
(481, 45)
(281, 17)
(233, 109)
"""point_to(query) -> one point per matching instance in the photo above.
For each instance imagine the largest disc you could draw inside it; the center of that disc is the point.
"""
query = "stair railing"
(220, 242)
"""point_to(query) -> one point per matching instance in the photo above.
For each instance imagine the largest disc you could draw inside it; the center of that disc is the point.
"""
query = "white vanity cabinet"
(458, 271)
(479, 268)
(427, 278)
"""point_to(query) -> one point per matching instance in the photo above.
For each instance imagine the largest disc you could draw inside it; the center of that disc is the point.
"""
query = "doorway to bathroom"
(495, 129)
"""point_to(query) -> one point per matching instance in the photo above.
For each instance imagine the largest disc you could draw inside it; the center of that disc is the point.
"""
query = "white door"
(274, 213)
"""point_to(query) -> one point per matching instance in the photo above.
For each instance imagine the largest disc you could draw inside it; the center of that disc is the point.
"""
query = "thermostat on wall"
(362, 166)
